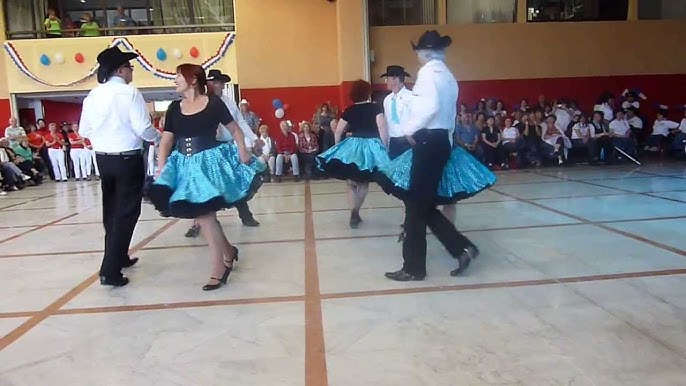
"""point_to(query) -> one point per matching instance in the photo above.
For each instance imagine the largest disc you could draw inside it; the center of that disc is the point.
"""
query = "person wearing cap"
(396, 109)
(250, 117)
(432, 173)
(116, 120)
(216, 79)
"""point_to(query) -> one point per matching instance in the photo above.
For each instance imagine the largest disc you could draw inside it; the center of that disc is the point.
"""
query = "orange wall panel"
(543, 50)
(286, 43)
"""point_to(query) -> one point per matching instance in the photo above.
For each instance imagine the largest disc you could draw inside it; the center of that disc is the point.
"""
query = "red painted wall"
(59, 112)
(5, 112)
(302, 101)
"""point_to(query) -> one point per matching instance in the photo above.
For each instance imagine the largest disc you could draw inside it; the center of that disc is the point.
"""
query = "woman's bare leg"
(211, 231)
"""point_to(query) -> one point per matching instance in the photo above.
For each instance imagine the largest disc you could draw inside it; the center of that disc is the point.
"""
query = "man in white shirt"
(428, 130)
(621, 133)
(396, 109)
(662, 128)
(116, 120)
(14, 132)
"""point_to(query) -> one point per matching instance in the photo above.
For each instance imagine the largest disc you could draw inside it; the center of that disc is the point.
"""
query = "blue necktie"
(394, 111)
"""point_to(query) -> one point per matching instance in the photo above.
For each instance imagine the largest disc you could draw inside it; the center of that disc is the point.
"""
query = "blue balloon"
(277, 104)
(44, 60)
(161, 55)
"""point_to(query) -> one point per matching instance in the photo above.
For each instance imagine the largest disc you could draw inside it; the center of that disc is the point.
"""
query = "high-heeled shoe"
(235, 258)
(222, 281)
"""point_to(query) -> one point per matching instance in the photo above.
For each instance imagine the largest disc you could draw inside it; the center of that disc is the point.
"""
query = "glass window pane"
(661, 9)
(481, 11)
(576, 10)
(402, 12)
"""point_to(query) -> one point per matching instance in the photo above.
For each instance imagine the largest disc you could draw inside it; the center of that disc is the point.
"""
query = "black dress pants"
(431, 153)
(122, 179)
(397, 146)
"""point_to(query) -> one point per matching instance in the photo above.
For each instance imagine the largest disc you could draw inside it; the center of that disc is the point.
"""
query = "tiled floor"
(581, 281)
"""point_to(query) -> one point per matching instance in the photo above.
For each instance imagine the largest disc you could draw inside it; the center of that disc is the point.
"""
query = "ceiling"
(150, 95)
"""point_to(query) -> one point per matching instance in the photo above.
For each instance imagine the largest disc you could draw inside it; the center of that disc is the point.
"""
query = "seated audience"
(23, 149)
(554, 141)
(286, 152)
(512, 143)
(490, 139)
(26, 169)
(662, 130)
(467, 135)
(531, 135)
(308, 148)
(620, 131)
(602, 141)
(582, 137)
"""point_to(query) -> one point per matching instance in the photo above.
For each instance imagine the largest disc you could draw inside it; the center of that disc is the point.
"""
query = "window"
(661, 9)
(576, 10)
(481, 11)
(402, 12)
(118, 17)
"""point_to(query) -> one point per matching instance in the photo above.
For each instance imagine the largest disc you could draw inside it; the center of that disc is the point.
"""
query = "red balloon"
(286, 107)
(194, 52)
(79, 58)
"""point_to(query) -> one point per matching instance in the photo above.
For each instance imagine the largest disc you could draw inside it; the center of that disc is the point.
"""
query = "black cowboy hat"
(395, 71)
(217, 75)
(432, 40)
(111, 59)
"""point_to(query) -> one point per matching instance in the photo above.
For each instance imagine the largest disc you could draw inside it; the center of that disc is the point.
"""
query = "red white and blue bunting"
(227, 41)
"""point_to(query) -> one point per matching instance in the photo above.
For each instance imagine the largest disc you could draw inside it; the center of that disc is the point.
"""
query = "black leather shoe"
(470, 253)
(404, 276)
(115, 282)
(251, 222)
(132, 261)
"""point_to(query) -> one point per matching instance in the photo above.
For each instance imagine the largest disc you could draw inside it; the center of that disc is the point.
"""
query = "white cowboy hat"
(244, 102)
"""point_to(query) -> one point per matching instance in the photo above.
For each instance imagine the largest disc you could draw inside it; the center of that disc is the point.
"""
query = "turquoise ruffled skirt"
(463, 177)
(354, 158)
(208, 181)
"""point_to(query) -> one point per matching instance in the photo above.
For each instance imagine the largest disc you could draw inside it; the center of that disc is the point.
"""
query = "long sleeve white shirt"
(115, 118)
(224, 133)
(434, 99)
(402, 108)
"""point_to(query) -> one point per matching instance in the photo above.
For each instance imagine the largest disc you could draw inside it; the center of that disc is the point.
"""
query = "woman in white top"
(511, 142)
(554, 141)
(679, 142)
(582, 136)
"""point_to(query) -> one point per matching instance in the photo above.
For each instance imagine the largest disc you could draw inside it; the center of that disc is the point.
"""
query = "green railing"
(119, 31)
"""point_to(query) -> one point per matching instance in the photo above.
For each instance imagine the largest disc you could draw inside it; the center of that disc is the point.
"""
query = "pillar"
(632, 12)
(353, 44)
(5, 105)
(522, 11)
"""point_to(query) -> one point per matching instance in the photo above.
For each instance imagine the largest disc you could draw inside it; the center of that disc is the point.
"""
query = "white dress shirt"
(662, 127)
(636, 122)
(115, 118)
(682, 126)
(627, 104)
(620, 127)
(563, 117)
(509, 134)
(268, 145)
(578, 128)
(608, 113)
(224, 134)
(402, 108)
(434, 99)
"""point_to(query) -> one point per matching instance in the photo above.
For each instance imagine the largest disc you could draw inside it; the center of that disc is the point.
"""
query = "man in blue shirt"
(467, 135)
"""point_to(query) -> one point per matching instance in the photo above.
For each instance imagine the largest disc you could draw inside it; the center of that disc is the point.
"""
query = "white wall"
(34, 104)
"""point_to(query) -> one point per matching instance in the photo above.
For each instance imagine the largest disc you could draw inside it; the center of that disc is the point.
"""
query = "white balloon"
(177, 53)
(59, 58)
(279, 113)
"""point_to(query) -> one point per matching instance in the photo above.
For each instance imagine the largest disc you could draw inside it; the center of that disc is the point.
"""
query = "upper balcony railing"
(124, 31)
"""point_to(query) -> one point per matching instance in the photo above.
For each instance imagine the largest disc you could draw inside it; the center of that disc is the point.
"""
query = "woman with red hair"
(356, 157)
(202, 175)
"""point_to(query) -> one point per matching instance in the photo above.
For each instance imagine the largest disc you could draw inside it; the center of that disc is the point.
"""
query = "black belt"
(192, 145)
(122, 153)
